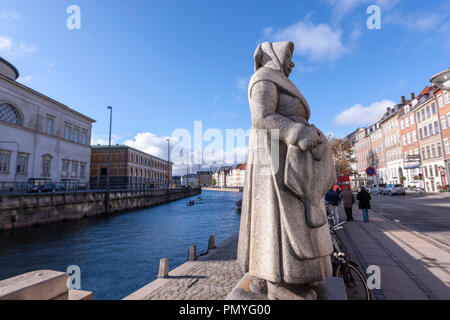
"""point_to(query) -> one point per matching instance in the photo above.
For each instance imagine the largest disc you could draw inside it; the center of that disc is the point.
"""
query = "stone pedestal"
(250, 288)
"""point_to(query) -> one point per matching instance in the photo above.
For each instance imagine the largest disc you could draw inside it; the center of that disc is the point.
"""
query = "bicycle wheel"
(355, 282)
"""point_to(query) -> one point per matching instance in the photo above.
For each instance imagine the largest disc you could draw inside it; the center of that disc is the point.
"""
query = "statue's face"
(288, 63)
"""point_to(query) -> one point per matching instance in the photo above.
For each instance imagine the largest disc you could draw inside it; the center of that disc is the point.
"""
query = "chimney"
(413, 96)
(403, 100)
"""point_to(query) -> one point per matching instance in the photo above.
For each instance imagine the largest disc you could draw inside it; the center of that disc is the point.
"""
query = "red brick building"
(130, 168)
(443, 101)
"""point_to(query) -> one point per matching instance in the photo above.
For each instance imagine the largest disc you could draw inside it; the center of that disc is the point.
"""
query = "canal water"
(120, 254)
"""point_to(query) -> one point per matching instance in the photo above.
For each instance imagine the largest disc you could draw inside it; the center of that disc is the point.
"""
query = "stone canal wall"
(18, 211)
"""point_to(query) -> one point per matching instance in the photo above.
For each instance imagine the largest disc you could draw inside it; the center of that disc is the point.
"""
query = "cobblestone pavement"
(211, 278)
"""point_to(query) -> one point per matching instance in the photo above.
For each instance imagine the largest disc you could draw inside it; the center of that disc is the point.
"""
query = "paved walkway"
(413, 266)
(211, 277)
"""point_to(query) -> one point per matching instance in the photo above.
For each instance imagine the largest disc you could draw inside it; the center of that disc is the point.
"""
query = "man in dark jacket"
(364, 203)
(332, 198)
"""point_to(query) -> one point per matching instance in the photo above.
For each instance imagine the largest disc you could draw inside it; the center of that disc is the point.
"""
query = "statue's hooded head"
(275, 55)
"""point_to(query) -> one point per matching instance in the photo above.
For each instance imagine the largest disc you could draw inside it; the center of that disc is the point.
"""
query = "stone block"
(36, 285)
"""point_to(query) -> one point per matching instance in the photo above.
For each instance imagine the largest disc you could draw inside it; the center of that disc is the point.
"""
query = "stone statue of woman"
(284, 236)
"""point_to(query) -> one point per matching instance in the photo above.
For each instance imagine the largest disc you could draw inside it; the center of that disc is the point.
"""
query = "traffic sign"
(371, 171)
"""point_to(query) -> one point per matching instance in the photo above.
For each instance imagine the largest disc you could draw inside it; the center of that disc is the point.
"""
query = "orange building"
(443, 101)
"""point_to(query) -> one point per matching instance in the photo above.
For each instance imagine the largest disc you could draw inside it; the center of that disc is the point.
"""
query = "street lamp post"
(108, 186)
(168, 165)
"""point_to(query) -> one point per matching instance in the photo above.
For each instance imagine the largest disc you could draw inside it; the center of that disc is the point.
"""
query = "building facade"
(130, 168)
(205, 178)
(393, 148)
(430, 140)
(443, 101)
(410, 144)
(363, 149)
(39, 137)
(236, 176)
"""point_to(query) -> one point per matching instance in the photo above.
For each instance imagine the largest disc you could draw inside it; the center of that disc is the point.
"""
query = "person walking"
(332, 197)
(364, 203)
(348, 200)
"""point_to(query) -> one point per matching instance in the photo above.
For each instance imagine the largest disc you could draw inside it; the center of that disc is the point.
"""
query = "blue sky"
(164, 64)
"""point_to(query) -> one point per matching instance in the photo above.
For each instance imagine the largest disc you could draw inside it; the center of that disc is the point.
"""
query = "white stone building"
(40, 137)
(236, 176)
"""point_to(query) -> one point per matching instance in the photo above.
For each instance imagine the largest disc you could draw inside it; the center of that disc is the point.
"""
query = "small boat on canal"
(239, 205)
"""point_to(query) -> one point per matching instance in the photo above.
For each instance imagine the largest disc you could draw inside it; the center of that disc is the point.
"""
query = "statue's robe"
(280, 240)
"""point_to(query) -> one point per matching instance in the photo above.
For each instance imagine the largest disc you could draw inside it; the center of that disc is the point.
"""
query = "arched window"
(9, 113)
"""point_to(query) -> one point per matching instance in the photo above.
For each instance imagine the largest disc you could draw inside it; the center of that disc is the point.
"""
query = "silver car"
(392, 189)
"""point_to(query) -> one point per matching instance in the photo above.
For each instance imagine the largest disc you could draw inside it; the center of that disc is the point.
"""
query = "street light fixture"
(442, 80)
(168, 163)
(108, 186)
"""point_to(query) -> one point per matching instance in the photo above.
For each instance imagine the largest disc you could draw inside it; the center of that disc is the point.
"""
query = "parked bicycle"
(343, 267)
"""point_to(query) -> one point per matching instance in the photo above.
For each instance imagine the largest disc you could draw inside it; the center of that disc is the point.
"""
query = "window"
(423, 115)
(65, 168)
(83, 137)
(436, 127)
(404, 140)
(22, 164)
(439, 149)
(407, 122)
(131, 157)
(402, 124)
(419, 120)
(425, 131)
(74, 169)
(444, 122)
(447, 145)
(4, 161)
(431, 171)
(83, 170)
(50, 125)
(409, 138)
(433, 108)
(424, 155)
(421, 133)
(433, 151)
(414, 136)
(46, 165)
(448, 118)
(441, 101)
(428, 112)
(412, 120)
(430, 128)
(428, 152)
(67, 129)
(9, 114)
(76, 135)
(447, 97)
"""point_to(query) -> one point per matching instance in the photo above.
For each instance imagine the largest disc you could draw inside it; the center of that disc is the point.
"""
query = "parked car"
(392, 189)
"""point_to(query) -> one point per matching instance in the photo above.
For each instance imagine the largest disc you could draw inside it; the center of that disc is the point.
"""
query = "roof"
(242, 166)
(100, 147)
(11, 66)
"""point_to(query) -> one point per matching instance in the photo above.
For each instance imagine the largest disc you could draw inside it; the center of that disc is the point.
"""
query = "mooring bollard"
(192, 255)
(212, 242)
(163, 271)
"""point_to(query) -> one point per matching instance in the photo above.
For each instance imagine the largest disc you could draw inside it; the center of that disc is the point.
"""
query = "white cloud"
(103, 140)
(11, 48)
(360, 115)
(9, 15)
(341, 8)
(5, 44)
(157, 146)
(317, 43)
(418, 22)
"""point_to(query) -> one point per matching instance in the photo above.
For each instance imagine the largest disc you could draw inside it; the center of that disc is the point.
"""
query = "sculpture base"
(250, 288)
